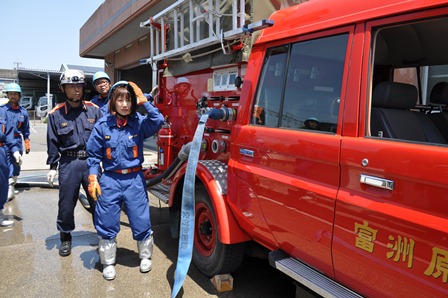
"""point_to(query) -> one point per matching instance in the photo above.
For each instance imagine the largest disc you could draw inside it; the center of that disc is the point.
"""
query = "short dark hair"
(121, 91)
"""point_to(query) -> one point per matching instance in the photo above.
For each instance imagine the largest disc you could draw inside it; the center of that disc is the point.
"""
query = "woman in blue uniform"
(117, 143)
(7, 145)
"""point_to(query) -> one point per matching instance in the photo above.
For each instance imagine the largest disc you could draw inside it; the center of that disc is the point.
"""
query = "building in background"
(34, 82)
(6, 76)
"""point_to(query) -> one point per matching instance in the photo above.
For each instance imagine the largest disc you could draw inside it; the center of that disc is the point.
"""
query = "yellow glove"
(138, 92)
(94, 187)
(27, 146)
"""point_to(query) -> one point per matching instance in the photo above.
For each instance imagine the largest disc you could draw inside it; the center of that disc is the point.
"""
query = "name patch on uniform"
(64, 124)
(91, 120)
(107, 137)
(133, 136)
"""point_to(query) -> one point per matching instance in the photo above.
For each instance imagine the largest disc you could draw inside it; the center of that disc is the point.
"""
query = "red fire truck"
(326, 145)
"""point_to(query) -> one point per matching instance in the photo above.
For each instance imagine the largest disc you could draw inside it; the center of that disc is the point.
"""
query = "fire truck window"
(266, 109)
(410, 70)
(313, 84)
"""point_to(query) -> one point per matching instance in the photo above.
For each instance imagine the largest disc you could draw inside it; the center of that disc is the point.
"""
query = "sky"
(44, 34)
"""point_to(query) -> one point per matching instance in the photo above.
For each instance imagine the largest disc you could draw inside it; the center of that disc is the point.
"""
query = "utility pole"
(18, 64)
(49, 99)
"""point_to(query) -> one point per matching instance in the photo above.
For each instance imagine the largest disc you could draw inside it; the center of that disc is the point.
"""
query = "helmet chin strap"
(122, 116)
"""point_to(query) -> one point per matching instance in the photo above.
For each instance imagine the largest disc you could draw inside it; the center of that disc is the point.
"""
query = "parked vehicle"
(331, 149)
(27, 102)
(42, 107)
(3, 101)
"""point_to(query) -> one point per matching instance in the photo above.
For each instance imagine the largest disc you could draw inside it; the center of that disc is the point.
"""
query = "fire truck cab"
(334, 154)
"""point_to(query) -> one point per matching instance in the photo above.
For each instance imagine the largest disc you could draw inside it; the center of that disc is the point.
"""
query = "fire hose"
(186, 237)
(178, 161)
(190, 151)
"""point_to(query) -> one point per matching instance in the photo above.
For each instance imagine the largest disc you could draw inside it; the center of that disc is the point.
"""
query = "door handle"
(377, 182)
(247, 152)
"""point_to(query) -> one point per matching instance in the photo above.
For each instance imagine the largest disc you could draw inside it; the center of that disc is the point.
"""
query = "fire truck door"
(391, 222)
(288, 161)
(289, 189)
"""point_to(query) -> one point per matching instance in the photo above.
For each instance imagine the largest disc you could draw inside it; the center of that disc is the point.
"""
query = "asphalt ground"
(31, 266)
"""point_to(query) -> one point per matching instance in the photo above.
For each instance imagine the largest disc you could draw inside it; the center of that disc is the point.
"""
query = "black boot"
(66, 244)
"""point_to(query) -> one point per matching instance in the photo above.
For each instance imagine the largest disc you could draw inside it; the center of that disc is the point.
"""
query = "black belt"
(81, 154)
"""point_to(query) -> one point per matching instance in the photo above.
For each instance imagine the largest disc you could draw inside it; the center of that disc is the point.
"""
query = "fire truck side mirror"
(238, 81)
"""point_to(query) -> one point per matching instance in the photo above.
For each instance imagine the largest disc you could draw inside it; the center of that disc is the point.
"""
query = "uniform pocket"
(67, 136)
(89, 126)
(20, 121)
(111, 149)
(132, 148)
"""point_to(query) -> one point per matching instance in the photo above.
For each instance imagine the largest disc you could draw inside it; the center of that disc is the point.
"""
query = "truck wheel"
(209, 254)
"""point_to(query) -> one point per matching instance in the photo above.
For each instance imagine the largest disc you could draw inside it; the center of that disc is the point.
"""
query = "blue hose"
(186, 237)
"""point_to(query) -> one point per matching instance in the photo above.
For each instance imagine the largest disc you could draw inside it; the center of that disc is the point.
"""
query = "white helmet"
(72, 76)
(182, 80)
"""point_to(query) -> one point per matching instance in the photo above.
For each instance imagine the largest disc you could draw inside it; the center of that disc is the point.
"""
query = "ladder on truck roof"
(196, 24)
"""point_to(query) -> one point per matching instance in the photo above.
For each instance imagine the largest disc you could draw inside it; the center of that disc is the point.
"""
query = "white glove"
(50, 177)
(18, 157)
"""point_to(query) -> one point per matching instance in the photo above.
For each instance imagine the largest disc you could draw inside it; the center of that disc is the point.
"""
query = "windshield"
(42, 101)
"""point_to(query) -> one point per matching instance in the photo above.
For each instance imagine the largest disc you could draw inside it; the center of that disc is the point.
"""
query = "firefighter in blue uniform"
(19, 120)
(117, 143)
(69, 127)
(102, 84)
(7, 146)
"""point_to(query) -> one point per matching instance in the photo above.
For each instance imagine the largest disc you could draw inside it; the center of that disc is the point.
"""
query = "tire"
(211, 256)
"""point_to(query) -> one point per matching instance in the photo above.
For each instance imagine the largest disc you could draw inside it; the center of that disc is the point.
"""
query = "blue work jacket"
(7, 133)
(120, 148)
(19, 120)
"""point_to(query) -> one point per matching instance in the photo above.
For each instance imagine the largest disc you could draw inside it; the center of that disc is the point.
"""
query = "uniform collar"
(68, 107)
(112, 121)
(9, 106)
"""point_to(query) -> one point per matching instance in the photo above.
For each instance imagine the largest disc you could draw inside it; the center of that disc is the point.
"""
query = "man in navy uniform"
(69, 126)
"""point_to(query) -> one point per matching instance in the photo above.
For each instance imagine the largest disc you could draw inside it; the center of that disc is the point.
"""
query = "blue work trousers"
(4, 176)
(117, 189)
(14, 167)
(73, 173)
